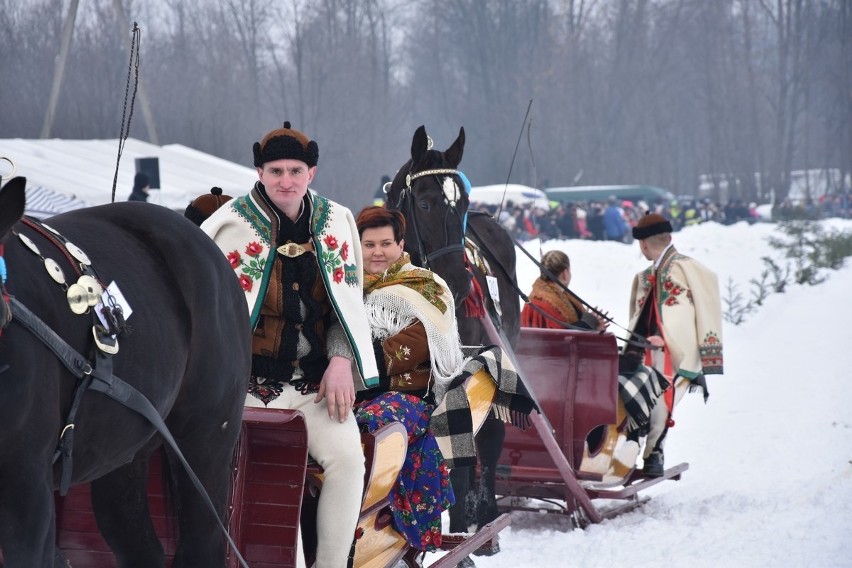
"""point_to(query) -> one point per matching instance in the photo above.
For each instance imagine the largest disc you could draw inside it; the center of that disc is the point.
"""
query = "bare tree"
(624, 91)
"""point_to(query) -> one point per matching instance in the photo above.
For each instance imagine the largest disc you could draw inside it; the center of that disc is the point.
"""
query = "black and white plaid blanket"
(640, 392)
(451, 422)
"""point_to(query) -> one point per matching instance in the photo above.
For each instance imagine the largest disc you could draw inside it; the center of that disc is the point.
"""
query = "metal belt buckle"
(291, 250)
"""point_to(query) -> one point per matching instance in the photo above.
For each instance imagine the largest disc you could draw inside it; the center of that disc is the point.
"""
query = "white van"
(522, 195)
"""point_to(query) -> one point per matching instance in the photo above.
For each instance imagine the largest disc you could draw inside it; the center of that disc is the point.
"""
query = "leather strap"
(103, 381)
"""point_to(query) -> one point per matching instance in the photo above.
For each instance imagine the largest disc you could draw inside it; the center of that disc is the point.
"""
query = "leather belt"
(292, 250)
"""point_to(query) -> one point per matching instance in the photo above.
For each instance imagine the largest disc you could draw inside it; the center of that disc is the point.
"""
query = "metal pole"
(67, 32)
(147, 115)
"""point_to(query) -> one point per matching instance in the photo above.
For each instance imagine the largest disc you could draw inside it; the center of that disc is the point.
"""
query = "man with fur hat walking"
(675, 305)
(298, 258)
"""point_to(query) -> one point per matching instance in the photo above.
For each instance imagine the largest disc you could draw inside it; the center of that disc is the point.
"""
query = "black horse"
(432, 194)
(185, 347)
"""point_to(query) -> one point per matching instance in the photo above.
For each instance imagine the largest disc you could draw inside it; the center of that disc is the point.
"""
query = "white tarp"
(43, 202)
(83, 170)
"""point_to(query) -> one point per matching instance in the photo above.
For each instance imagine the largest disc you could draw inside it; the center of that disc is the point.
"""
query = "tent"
(68, 174)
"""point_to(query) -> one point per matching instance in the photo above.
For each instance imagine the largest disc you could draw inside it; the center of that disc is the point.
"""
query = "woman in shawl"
(415, 337)
(551, 305)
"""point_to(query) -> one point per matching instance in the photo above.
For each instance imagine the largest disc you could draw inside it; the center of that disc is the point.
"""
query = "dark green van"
(647, 193)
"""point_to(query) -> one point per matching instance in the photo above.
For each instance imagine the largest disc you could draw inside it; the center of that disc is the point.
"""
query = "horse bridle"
(4, 296)
(406, 196)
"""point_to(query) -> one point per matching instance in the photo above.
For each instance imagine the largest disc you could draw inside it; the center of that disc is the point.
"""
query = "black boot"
(654, 464)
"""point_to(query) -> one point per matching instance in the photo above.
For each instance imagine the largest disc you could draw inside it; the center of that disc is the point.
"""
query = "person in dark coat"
(140, 188)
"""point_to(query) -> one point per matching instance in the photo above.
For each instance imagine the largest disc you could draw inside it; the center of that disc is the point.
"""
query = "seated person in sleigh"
(425, 378)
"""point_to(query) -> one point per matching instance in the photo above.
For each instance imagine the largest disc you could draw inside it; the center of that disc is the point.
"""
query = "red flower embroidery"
(234, 259)
(253, 248)
(668, 284)
(344, 251)
(246, 282)
(330, 242)
(338, 275)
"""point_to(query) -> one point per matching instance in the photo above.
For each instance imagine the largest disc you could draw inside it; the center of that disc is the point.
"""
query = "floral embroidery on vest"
(333, 258)
(251, 267)
(246, 209)
(670, 292)
(251, 262)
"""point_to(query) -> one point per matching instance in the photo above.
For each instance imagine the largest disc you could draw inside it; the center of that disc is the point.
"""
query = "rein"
(99, 378)
(635, 341)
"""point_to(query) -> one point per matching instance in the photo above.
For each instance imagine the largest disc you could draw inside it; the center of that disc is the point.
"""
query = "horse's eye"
(423, 205)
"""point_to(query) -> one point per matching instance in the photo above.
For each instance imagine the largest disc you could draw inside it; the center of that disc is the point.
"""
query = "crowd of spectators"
(830, 205)
(614, 219)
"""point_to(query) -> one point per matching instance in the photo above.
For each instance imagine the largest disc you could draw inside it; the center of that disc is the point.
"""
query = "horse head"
(433, 196)
(12, 200)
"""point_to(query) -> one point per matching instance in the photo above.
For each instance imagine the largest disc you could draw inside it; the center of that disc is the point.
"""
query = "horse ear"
(12, 200)
(455, 151)
(419, 145)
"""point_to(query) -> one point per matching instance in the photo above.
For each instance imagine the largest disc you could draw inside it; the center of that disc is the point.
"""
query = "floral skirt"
(423, 490)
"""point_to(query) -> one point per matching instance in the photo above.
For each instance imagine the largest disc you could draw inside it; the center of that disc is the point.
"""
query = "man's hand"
(337, 388)
(656, 341)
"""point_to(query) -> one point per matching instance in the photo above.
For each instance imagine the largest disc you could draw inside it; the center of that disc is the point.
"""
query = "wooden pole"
(67, 32)
(147, 115)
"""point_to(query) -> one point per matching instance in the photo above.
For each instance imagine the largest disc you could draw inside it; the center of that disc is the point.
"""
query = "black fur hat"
(651, 224)
(285, 144)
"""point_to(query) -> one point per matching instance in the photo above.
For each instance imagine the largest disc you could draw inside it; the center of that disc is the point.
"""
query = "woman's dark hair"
(375, 216)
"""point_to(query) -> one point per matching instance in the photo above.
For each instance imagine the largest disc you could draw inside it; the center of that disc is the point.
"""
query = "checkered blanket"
(639, 392)
(451, 422)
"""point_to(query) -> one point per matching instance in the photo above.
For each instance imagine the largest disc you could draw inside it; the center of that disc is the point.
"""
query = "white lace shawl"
(393, 308)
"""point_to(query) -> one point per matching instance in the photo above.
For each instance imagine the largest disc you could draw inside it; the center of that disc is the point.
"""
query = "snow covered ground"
(770, 478)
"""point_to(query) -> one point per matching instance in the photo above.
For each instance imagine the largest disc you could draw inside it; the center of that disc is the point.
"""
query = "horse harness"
(96, 375)
(406, 197)
(474, 260)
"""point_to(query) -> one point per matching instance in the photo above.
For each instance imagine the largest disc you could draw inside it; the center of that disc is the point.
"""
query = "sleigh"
(274, 487)
(578, 452)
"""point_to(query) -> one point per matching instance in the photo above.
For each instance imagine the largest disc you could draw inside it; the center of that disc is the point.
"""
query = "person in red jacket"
(551, 305)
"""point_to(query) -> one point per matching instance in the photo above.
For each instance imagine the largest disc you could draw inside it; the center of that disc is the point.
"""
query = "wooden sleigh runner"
(273, 484)
(579, 453)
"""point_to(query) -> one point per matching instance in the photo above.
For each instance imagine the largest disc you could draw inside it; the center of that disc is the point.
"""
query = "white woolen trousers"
(660, 415)
(336, 447)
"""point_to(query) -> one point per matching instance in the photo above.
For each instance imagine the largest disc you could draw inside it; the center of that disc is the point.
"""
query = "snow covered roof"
(66, 174)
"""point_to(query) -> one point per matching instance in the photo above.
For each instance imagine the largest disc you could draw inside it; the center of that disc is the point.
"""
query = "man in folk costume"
(298, 258)
(675, 305)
